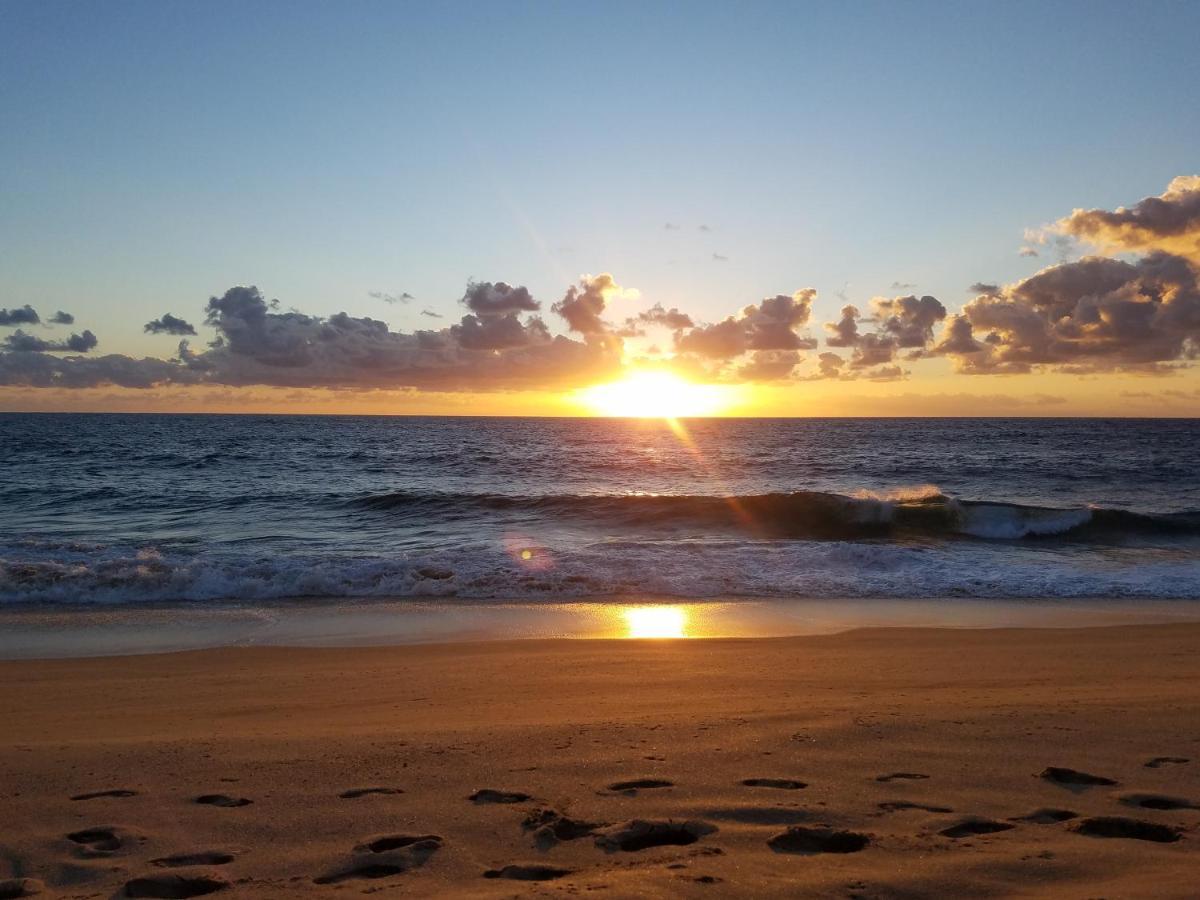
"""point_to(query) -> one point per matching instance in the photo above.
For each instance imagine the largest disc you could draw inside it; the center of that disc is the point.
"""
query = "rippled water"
(113, 508)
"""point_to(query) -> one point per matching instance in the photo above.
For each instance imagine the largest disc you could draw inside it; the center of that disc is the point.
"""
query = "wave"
(923, 512)
(78, 573)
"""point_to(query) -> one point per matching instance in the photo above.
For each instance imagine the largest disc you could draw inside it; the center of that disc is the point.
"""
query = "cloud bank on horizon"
(1133, 305)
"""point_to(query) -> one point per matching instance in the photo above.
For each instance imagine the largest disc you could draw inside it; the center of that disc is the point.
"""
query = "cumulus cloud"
(21, 342)
(258, 344)
(984, 287)
(62, 318)
(900, 323)
(1169, 222)
(584, 304)
(771, 324)
(24, 315)
(486, 299)
(769, 365)
(168, 324)
(1093, 314)
(657, 315)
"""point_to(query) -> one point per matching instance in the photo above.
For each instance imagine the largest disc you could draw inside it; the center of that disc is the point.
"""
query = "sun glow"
(656, 395)
(656, 621)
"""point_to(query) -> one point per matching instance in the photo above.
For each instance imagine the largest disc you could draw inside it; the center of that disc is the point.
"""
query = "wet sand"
(895, 762)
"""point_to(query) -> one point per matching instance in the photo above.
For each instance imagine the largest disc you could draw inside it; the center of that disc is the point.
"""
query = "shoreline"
(275, 770)
(65, 631)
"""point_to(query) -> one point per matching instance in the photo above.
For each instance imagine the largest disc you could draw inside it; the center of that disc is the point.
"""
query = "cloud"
(704, 228)
(168, 324)
(20, 342)
(769, 365)
(62, 318)
(25, 315)
(719, 258)
(900, 323)
(670, 226)
(1027, 251)
(258, 344)
(771, 324)
(984, 287)
(1094, 314)
(1169, 223)
(432, 314)
(485, 299)
(657, 315)
(391, 298)
(902, 286)
(584, 304)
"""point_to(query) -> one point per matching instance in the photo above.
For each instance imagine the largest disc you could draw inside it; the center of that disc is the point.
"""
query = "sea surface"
(128, 509)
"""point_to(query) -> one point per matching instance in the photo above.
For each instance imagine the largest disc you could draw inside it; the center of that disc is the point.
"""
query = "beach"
(877, 762)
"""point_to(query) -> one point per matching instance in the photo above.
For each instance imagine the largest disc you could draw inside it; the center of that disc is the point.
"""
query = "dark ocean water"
(122, 509)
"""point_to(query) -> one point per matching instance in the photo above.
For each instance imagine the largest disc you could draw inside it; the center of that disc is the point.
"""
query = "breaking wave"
(812, 515)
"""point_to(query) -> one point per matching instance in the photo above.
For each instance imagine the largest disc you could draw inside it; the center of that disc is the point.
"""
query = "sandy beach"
(875, 763)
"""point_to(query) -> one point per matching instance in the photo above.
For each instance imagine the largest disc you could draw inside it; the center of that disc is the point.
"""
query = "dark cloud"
(486, 299)
(1169, 222)
(902, 286)
(704, 228)
(657, 315)
(900, 323)
(24, 315)
(62, 318)
(719, 258)
(432, 314)
(258, 344)
(1093, 314)
(20, 342)
(1027, 251)
(769, 325)
(984, 287)
(403, 297)
(670, 226)
(582, 307)
(168, 324)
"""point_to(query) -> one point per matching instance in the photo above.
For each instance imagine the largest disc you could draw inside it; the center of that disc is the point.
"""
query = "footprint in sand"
(902, 805)
(642, 834)
(15, 888)
(198, 858)
(1046, 816)
(384, 856)
(96, 795)
(1160, 761)
(631, 787)
(527, 873)
(487, 795)
(222, 800)
(803, 840)
(103, 840)
(1073, 777)
(902, 776)
(174, 886)
(1156, 801)
(974, 827)
(355, 793)
(1121, 827)
(783, 784)
(549, 826)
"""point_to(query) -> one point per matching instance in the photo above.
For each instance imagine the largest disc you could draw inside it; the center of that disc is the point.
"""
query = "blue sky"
(154, 154)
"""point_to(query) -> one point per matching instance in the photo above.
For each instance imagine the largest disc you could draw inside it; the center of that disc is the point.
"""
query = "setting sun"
(656, 394)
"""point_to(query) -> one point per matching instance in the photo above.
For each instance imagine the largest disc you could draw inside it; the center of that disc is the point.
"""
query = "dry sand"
(917, 753)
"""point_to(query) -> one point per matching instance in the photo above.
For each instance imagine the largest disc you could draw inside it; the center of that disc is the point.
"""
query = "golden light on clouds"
(657, 394)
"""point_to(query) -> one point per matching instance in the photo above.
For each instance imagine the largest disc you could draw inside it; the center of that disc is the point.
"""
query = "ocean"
(200, 509)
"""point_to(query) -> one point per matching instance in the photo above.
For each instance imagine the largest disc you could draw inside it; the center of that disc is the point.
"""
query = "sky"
(419, 186)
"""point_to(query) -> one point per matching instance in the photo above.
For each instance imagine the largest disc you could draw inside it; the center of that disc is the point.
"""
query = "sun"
(656, 395)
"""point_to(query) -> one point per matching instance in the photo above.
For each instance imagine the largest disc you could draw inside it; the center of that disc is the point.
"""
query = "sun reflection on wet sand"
(655, 621)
